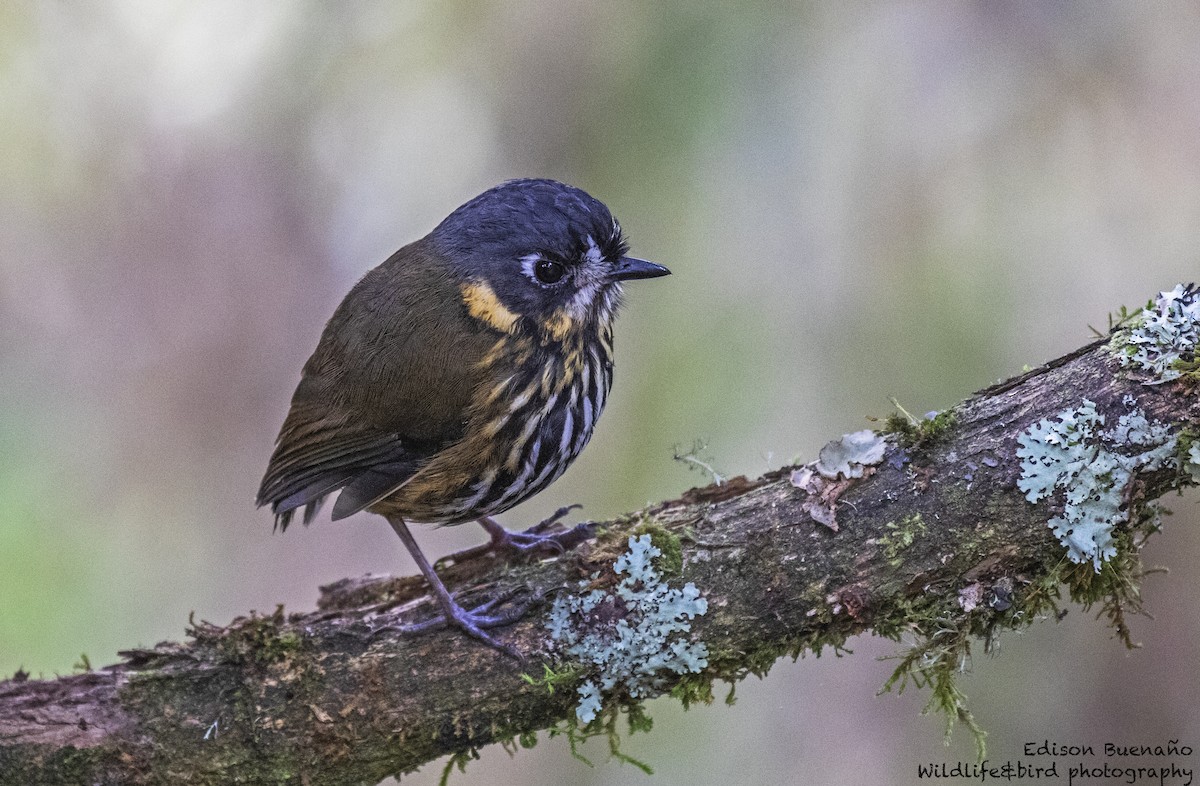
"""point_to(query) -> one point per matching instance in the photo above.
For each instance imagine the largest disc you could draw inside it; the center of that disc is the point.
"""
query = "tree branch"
(936, 541)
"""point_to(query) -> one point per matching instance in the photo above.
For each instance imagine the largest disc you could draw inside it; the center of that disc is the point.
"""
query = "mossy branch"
(935, 543)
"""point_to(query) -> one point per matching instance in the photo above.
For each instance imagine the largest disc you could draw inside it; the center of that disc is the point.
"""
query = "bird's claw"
(532, 540)
(553, 518)
(536, 537)
(474, 622)
(558, 543)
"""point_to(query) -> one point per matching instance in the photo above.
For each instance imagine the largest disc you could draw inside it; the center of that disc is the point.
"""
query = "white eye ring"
(542, 271)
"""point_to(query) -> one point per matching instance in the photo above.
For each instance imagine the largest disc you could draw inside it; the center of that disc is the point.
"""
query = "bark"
(936, 537)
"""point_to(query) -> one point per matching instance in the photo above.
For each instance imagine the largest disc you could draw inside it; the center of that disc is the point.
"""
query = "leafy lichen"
(629, 635)
(850, 455)
(1163, 340)
(1093, 467)
(670, 561)
(1192, 461)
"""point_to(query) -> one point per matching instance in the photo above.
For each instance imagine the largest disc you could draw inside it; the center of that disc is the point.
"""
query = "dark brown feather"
(386, 388)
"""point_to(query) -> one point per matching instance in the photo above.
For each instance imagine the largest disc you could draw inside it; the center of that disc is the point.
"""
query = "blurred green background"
(858, 201)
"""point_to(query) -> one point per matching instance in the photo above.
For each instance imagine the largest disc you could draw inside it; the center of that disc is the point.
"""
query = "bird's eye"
(548, 271)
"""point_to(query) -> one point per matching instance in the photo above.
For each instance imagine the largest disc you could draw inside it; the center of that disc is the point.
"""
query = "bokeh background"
(858, 200)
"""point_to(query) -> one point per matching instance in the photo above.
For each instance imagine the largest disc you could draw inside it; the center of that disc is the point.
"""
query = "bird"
(461, 376)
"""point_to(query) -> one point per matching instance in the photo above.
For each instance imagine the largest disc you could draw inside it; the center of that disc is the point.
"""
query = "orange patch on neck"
(559, 325)
(483, 304)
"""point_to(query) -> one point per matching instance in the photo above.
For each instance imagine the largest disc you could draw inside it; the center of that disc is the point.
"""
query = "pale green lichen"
(1093, 467)
(850, 455)
(631, 635)
(1193, 462)
(1166, 336)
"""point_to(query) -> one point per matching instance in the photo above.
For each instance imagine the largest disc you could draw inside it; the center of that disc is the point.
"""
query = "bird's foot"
(534, 539)
(537, 537)
(474, 622)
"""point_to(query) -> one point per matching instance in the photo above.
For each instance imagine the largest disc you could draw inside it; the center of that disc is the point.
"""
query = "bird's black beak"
(631, 267)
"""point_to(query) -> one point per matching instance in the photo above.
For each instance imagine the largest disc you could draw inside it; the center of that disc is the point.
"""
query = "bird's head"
(538, 252)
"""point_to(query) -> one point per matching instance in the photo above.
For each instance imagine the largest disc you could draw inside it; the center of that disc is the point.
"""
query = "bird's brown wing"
(387, 387)
(317, 455)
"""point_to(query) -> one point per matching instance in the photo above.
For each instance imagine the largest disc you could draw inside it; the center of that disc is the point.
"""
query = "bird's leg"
(470, 621)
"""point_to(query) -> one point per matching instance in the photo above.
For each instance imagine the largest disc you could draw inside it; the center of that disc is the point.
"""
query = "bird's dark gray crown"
(493, 236)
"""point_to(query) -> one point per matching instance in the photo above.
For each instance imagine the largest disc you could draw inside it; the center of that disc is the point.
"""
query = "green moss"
(1115, 588)
(901, 535)
(919, 433)
(935, 664)
(458, 760)
(36, 765)
(611, 542)
(1042, 598)
(605, 726)
(670, 563)
(813, 596)
(568, 676)
(692, 689)
(1123, 316)
(257, 639)
(945, 632)
(1187, 457)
